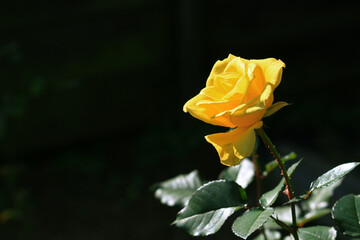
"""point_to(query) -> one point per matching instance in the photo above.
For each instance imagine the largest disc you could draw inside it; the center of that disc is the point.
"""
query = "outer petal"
(247, 119)
(238, 110)
(204, 112)
(272, 69)
(219, 106)
(265, 100)
(218, 67)
(235, 145)
(247, 114)
(252, 114)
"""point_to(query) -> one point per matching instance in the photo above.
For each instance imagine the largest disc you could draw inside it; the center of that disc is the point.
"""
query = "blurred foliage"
(15, 200)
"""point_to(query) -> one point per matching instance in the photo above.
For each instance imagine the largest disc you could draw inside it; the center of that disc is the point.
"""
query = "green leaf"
(273, 164)
(250, 221)
(270, 235)
(283, 214)
(296, 199)
(319, 198)
(346, 213)
(333, 175)
(316, 205)
(317, 233)
(210, 206)
(311, 216)
(268, 198)
(178, 190)
(274, 108)
(242, 174)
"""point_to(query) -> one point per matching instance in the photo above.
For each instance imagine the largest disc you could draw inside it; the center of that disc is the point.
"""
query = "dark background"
(91, 96)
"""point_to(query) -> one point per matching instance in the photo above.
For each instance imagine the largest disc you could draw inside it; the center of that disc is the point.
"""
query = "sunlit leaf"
(268, 198)
(250, 221)
(317, 233)
(316, 205)
(319, 198)
(333, 175)
(210, 206)
(346, 213)
(178, 190)
(242, 174)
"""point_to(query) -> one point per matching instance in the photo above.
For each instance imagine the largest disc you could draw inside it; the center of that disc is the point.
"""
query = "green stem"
(263, 233)
(289, 190)
(258, 185)
(257, 176)
(283, 225)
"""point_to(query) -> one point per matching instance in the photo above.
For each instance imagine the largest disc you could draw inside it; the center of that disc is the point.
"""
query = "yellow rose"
(238, 94)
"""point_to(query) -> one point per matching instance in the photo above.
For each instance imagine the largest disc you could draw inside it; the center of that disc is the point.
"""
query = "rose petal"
(226, 81)
(205, 112)
(212, 92)
(247, 120)
(220, 106)
(218, 67)
(257, 81)
(272, 69)
(239, 110)
(268, 90)
(236, 65)
(265, 100)
(235, 145)
(252, 114)
(239, 90)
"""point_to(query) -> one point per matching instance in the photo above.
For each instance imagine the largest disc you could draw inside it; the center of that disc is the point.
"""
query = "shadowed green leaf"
(242, 174)
(317, 233)
(178, 190)
(283, 214)
(250, 221)
(268, 198)
(311, 216)
(210, 206)
(333, 175)
(346, 213)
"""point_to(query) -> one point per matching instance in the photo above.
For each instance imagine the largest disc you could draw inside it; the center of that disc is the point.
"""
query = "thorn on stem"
(287, 193)
(308, 194)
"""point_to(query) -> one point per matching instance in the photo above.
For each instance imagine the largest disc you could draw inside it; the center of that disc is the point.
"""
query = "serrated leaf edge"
(247, 235)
